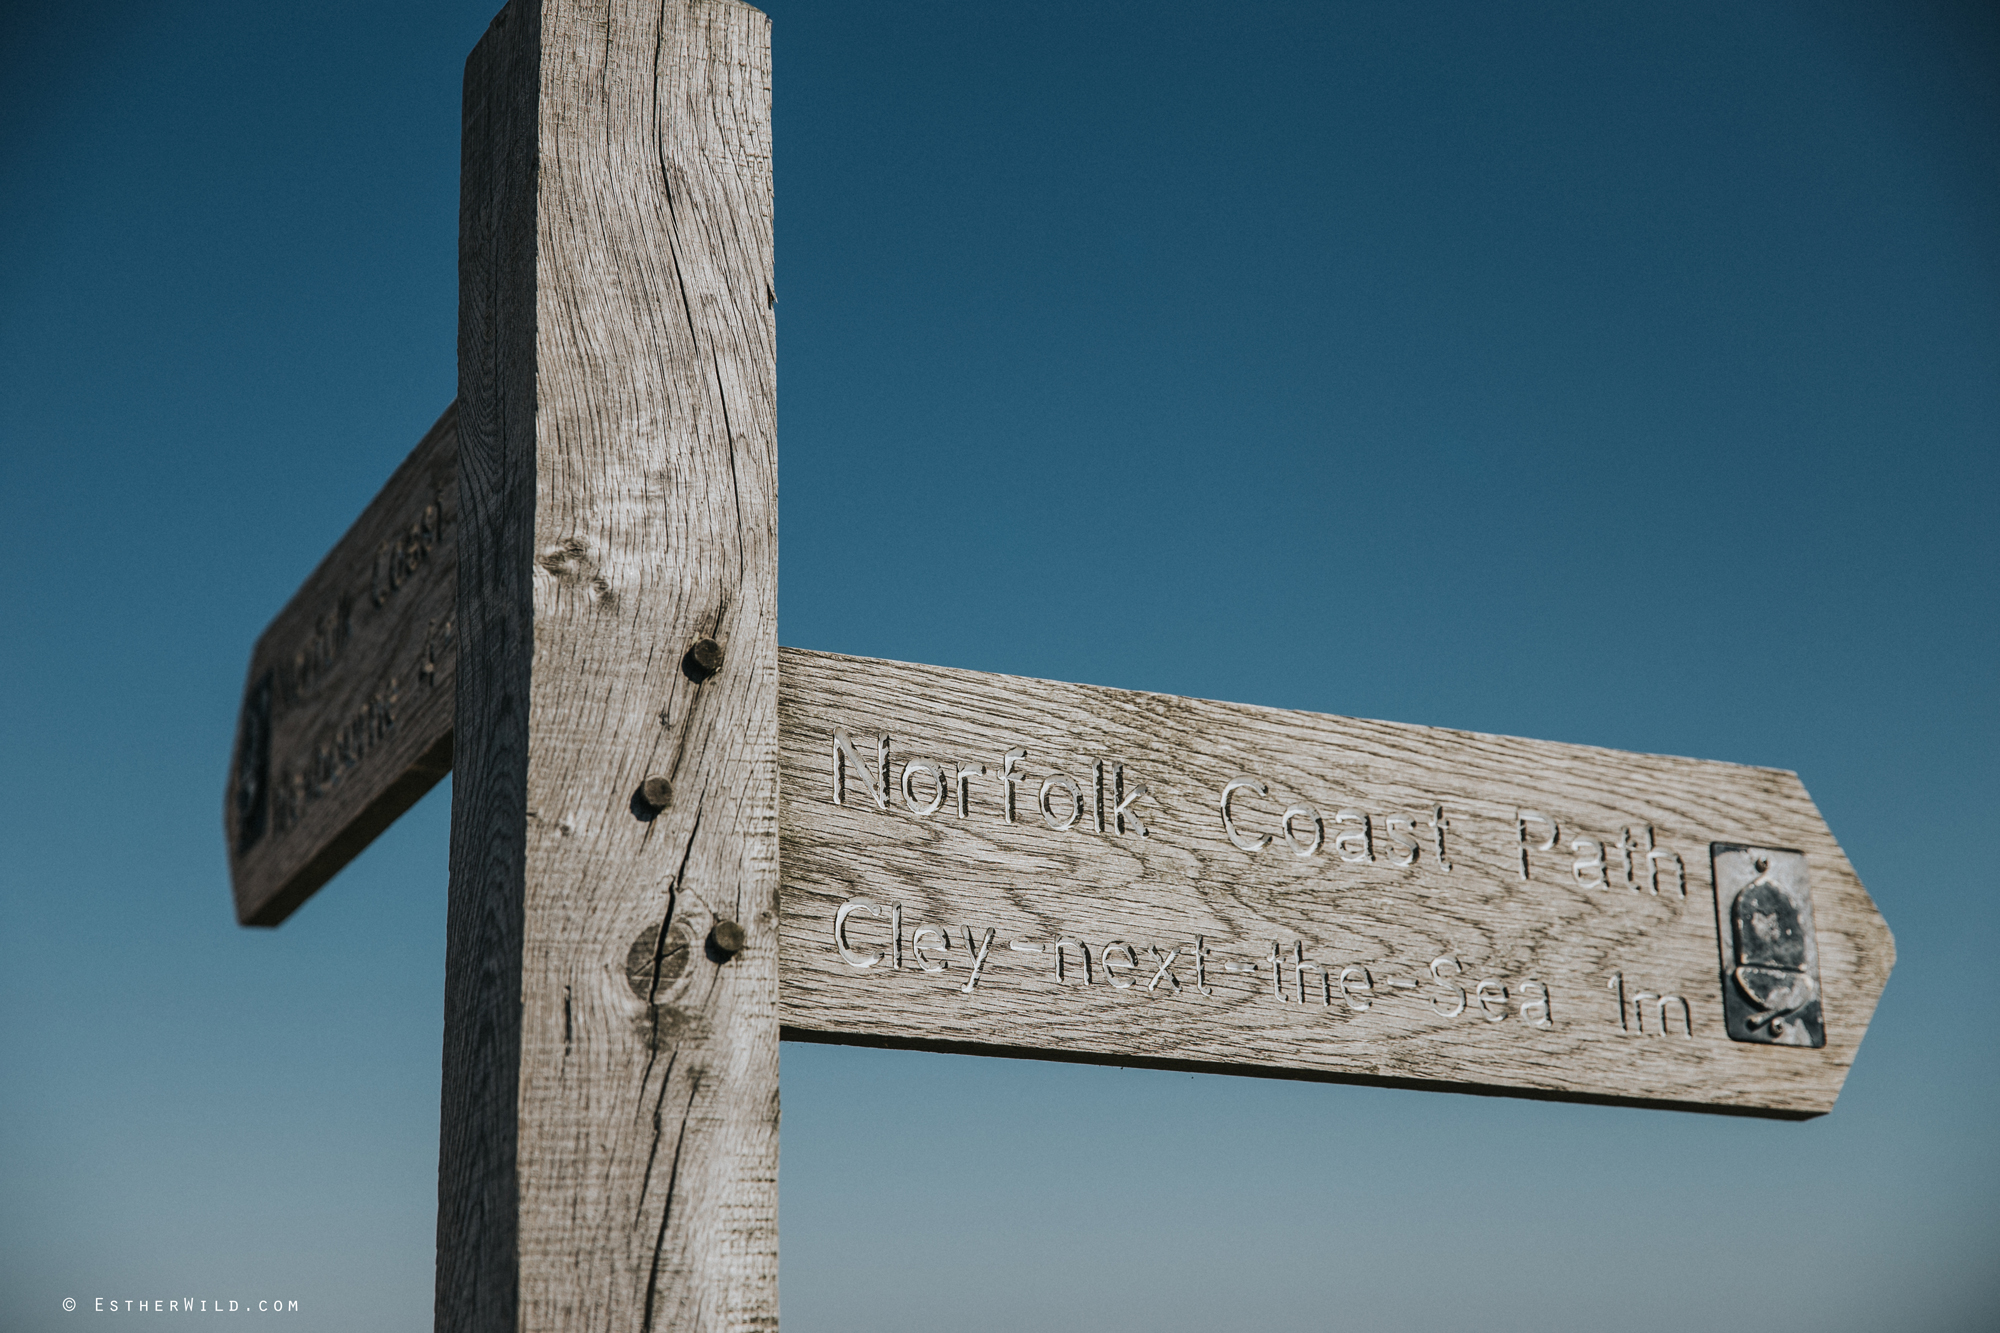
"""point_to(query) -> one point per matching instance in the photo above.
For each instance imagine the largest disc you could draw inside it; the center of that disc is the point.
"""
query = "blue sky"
(1622, 375)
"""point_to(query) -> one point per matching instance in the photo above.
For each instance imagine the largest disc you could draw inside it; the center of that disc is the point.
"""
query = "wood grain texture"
(1663, 950)
(1347, 904)
(610, 1103)
(347, 706)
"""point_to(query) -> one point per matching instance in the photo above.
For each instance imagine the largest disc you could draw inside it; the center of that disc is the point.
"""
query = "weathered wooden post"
(610, 1104)
(972, 862)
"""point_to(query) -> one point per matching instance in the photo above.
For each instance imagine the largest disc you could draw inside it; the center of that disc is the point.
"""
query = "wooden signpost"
(673, 842)
(346, 718)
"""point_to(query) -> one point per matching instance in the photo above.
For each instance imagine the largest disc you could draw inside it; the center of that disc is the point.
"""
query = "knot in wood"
(654, 966)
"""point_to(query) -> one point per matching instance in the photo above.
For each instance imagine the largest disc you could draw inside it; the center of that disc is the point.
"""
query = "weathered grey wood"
(346, 716)
(1548, 918)
(613, 999)
(610, 1104)
(1186, 882)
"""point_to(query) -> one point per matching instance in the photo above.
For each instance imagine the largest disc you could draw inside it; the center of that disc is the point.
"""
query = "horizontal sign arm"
(991, 864)
(347, 706)
(975, 862)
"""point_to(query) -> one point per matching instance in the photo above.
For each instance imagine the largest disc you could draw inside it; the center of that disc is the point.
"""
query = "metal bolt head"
(702, 661)
(657, 792)
(728, 937)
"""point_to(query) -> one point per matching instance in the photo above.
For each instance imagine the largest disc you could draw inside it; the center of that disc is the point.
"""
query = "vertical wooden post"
(610, 1103)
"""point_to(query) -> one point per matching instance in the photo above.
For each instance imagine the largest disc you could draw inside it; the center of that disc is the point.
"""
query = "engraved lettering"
(1626, 846)
(1097, 792)
(1617, 987)
(1082, 949)
(334, 757)
(1072, 807)
(289, 798)
(966, 772)
(876, 781)
(1229, 789)
(1439, 824)
(1535, 1004)
(1492, 997)
(978, 957)
(1301, 965)
(1437, 975)
(1687, 1014)
(1657, 856)
(1165, 972)
(840, 932)
(917, 948)
(1109, 955)
(936, 800)
(1403, 832)
(1201, 966)
(1010, 778)
(1122, 810)
(1522, 819)
(1661, 1006)
(315, 658)
(1314, 824)
(1588, 868)
(439, 637)
(398, 558)
(1356, 979)
(1355, 845)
